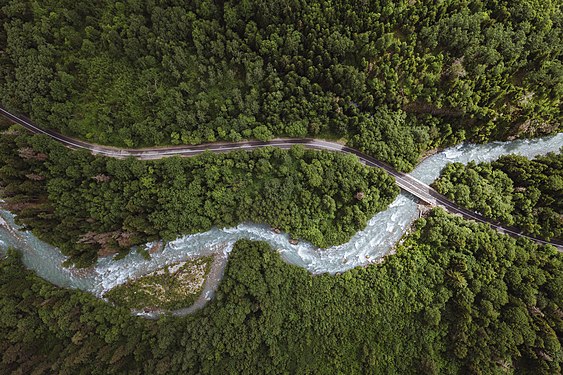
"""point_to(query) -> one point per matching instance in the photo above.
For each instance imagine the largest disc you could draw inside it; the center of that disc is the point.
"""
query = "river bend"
(368, 245)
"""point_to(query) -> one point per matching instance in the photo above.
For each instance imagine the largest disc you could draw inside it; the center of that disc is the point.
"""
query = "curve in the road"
(403, 180)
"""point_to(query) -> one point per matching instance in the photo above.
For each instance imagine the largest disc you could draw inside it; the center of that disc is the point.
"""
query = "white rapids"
(368, 245)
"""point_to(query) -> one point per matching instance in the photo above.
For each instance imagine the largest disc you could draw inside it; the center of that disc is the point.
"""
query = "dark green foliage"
(90, 205)
(515, 190)
(458, 298)
(397, 76)
(394, 78)
(47, 330)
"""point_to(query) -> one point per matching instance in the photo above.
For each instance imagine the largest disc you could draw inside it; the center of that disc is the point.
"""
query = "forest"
(393, 78)
(514, 190)
(457, 297)
(94, 206)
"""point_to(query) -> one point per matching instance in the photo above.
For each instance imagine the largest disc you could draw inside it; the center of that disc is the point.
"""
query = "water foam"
(368, 245)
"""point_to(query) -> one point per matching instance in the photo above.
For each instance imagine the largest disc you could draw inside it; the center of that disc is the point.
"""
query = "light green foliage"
(397, 78)
(515, 190)
(457, 298)
(172, 287)
(90, 206)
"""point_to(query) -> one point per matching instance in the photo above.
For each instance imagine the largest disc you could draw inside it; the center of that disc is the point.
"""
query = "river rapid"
(368, 245)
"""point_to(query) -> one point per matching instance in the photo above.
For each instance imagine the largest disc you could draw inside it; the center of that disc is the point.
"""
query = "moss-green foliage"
(457, 298)
(86, 204)
(168, 288)
(395, 77)
(514, 190)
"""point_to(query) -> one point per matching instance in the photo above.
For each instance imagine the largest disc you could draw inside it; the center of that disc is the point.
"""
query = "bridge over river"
(405, 181)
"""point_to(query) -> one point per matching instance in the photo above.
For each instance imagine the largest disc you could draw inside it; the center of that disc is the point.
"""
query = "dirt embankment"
(210, 285)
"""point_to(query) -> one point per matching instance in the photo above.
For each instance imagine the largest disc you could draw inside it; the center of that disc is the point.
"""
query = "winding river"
(368, 245)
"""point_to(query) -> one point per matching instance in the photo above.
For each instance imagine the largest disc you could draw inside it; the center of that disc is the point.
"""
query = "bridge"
(405, 181)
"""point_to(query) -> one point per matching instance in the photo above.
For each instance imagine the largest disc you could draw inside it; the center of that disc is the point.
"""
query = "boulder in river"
(155, 247)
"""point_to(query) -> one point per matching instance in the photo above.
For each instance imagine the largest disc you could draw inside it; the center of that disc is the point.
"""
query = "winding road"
(403, 180)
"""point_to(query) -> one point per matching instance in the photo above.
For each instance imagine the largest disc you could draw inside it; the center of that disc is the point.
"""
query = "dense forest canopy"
(393, 77)
(457, 298)
(513, 189)
(90, 206)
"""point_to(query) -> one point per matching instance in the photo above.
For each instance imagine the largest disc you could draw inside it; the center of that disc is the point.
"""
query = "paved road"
(405, 181)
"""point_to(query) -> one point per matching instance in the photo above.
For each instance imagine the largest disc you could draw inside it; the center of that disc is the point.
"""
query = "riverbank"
(367, 246)
(174, 286)
(210, 285)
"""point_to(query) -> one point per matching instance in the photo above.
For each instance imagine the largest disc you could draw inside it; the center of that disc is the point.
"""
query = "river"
(366, 246)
